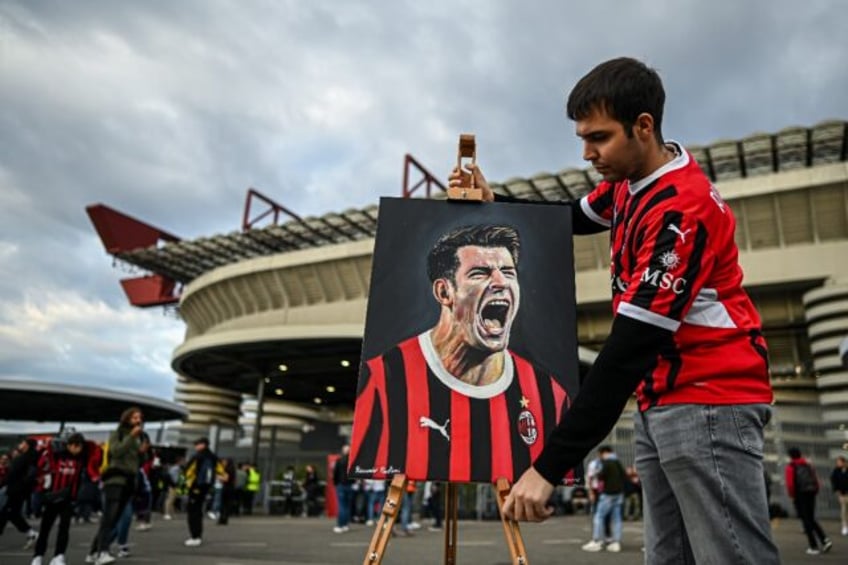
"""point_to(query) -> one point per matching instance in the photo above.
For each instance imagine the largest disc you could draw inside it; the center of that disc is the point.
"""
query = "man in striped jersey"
(685, 336)
(453, 403)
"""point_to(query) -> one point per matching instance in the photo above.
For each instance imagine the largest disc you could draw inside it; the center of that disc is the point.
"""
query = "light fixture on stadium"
(317, 400)
(279, 392)
(267, 380)
(283, 367)
(345, 363)
(331, 388)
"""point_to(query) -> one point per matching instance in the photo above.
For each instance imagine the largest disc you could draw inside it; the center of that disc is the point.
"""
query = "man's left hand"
(528, 498)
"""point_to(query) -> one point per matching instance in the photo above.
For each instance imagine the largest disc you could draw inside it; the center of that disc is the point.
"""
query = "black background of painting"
(401, 302)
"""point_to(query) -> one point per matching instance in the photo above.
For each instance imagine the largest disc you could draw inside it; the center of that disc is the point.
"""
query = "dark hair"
(76, 438)
(794, 452)
(203, 440)
(127, 415)
(605, 449)
(624, 88)
(442, 261)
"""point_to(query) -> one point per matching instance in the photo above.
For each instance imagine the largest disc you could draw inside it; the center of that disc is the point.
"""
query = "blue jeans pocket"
(750, 419)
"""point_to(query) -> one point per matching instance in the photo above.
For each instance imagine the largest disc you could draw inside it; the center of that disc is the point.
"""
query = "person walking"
(839, 484)
(251, 487)
(201, 473)
(344, 491)
(60, 469)
(20, 480)
(611, 480)
(685, 336)
(228, 489)
(802, 486)
(122, 461)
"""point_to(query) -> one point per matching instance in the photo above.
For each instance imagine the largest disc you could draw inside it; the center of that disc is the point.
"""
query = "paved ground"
(293, 541)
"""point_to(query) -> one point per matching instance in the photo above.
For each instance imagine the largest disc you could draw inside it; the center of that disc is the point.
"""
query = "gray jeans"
(702, 477)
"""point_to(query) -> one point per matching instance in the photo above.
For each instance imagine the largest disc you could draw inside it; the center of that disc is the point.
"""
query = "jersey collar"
(678, 162)
(474, 391)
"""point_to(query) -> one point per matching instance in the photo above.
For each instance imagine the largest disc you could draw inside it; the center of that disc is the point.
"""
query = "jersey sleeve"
(672, 259)
(598, 204)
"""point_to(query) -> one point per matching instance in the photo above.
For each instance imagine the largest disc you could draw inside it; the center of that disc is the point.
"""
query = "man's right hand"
(459, 178)
(136, 431)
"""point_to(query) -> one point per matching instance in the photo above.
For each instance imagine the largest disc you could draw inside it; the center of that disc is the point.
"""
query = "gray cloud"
(170, 110)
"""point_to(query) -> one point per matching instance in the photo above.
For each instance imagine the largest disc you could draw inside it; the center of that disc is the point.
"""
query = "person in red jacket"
(802, 486)
(59, 471)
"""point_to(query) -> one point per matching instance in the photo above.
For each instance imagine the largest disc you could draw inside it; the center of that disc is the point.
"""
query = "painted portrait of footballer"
(470, 349)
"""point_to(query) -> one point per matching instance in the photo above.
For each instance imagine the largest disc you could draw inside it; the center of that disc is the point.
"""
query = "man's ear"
(643, 128)
(442, 292)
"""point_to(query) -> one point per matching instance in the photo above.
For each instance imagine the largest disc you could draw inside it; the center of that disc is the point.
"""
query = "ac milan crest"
(527, 427)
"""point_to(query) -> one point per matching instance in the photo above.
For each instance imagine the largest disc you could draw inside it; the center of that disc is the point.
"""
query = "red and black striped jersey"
(59, 470)
(674, 264)
(413, 417)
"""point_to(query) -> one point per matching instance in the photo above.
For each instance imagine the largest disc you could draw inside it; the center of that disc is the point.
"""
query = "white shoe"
(593, 546)
(124, 551)
(167, 517)
(91, 558)
(212, 515)
(31, 535)
(614, 547)
(144, 526)
(193, 542)
(414, 526)
(369, 523)
(58, 560)
(845, 530)
(36, 560)
(340, 529)
(104, 557)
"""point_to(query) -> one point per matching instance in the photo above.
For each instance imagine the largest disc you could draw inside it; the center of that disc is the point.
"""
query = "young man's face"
(136, 419)
(486, 296)
(74, 449)
(607, 146)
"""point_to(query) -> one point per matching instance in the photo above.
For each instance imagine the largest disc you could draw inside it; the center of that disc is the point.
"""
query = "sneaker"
(167, 517)
(369, 523)
(212, 515)
(826, 545)
(91, 558)
(58, 560)
(193, 542)
(414, 526)
(434, 528)
(614, 547)
(31, 535)
(593, 546)
(339, 529)
(845, 530)
(103, 558)
(124, 551)
(36, 560)
(812, 551)
(144, 526)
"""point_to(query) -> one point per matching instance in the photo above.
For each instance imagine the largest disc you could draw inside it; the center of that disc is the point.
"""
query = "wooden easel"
(391, 508)
(468, 191)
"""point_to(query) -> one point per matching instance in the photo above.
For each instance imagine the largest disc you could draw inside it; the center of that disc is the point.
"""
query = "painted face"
(606, 145)
(486, 296)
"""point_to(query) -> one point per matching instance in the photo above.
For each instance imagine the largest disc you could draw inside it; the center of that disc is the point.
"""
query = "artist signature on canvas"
(390, 470)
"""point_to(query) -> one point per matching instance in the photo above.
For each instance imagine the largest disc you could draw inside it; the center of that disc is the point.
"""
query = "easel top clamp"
(467, 191)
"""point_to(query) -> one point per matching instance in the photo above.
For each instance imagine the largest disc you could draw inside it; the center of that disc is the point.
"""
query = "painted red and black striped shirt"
(674, 264)
(413, 417)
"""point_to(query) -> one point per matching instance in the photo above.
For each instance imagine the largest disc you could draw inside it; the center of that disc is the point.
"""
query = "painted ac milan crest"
(527, 427)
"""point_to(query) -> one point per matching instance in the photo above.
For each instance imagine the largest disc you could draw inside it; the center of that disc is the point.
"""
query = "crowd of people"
(69, 478)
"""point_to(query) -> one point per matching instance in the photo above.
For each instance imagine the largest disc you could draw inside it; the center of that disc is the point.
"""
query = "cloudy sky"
(169, 110)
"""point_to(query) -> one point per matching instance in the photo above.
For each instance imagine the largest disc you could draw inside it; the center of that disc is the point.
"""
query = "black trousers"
(49, 513)
(11, 512)
(247, 501)
(196, 500)
(227, 495)
(115, 498)
(805, 503)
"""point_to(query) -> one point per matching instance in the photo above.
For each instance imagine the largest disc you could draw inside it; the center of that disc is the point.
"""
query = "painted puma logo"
(426, 422)
(676, 230)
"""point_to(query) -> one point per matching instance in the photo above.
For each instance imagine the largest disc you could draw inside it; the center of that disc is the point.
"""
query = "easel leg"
(450, 523)
(383, 530)
(511, 530)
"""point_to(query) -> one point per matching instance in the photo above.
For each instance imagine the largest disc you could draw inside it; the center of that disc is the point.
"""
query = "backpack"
(805, 479)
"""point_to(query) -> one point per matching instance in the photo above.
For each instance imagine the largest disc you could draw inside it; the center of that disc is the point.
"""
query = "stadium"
(274, 313)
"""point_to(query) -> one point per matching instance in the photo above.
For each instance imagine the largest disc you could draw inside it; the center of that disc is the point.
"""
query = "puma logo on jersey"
(426, 422)
(676, 230)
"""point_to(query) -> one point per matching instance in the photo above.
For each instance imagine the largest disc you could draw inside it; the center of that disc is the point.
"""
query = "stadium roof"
(757, 154)
(39, 401)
